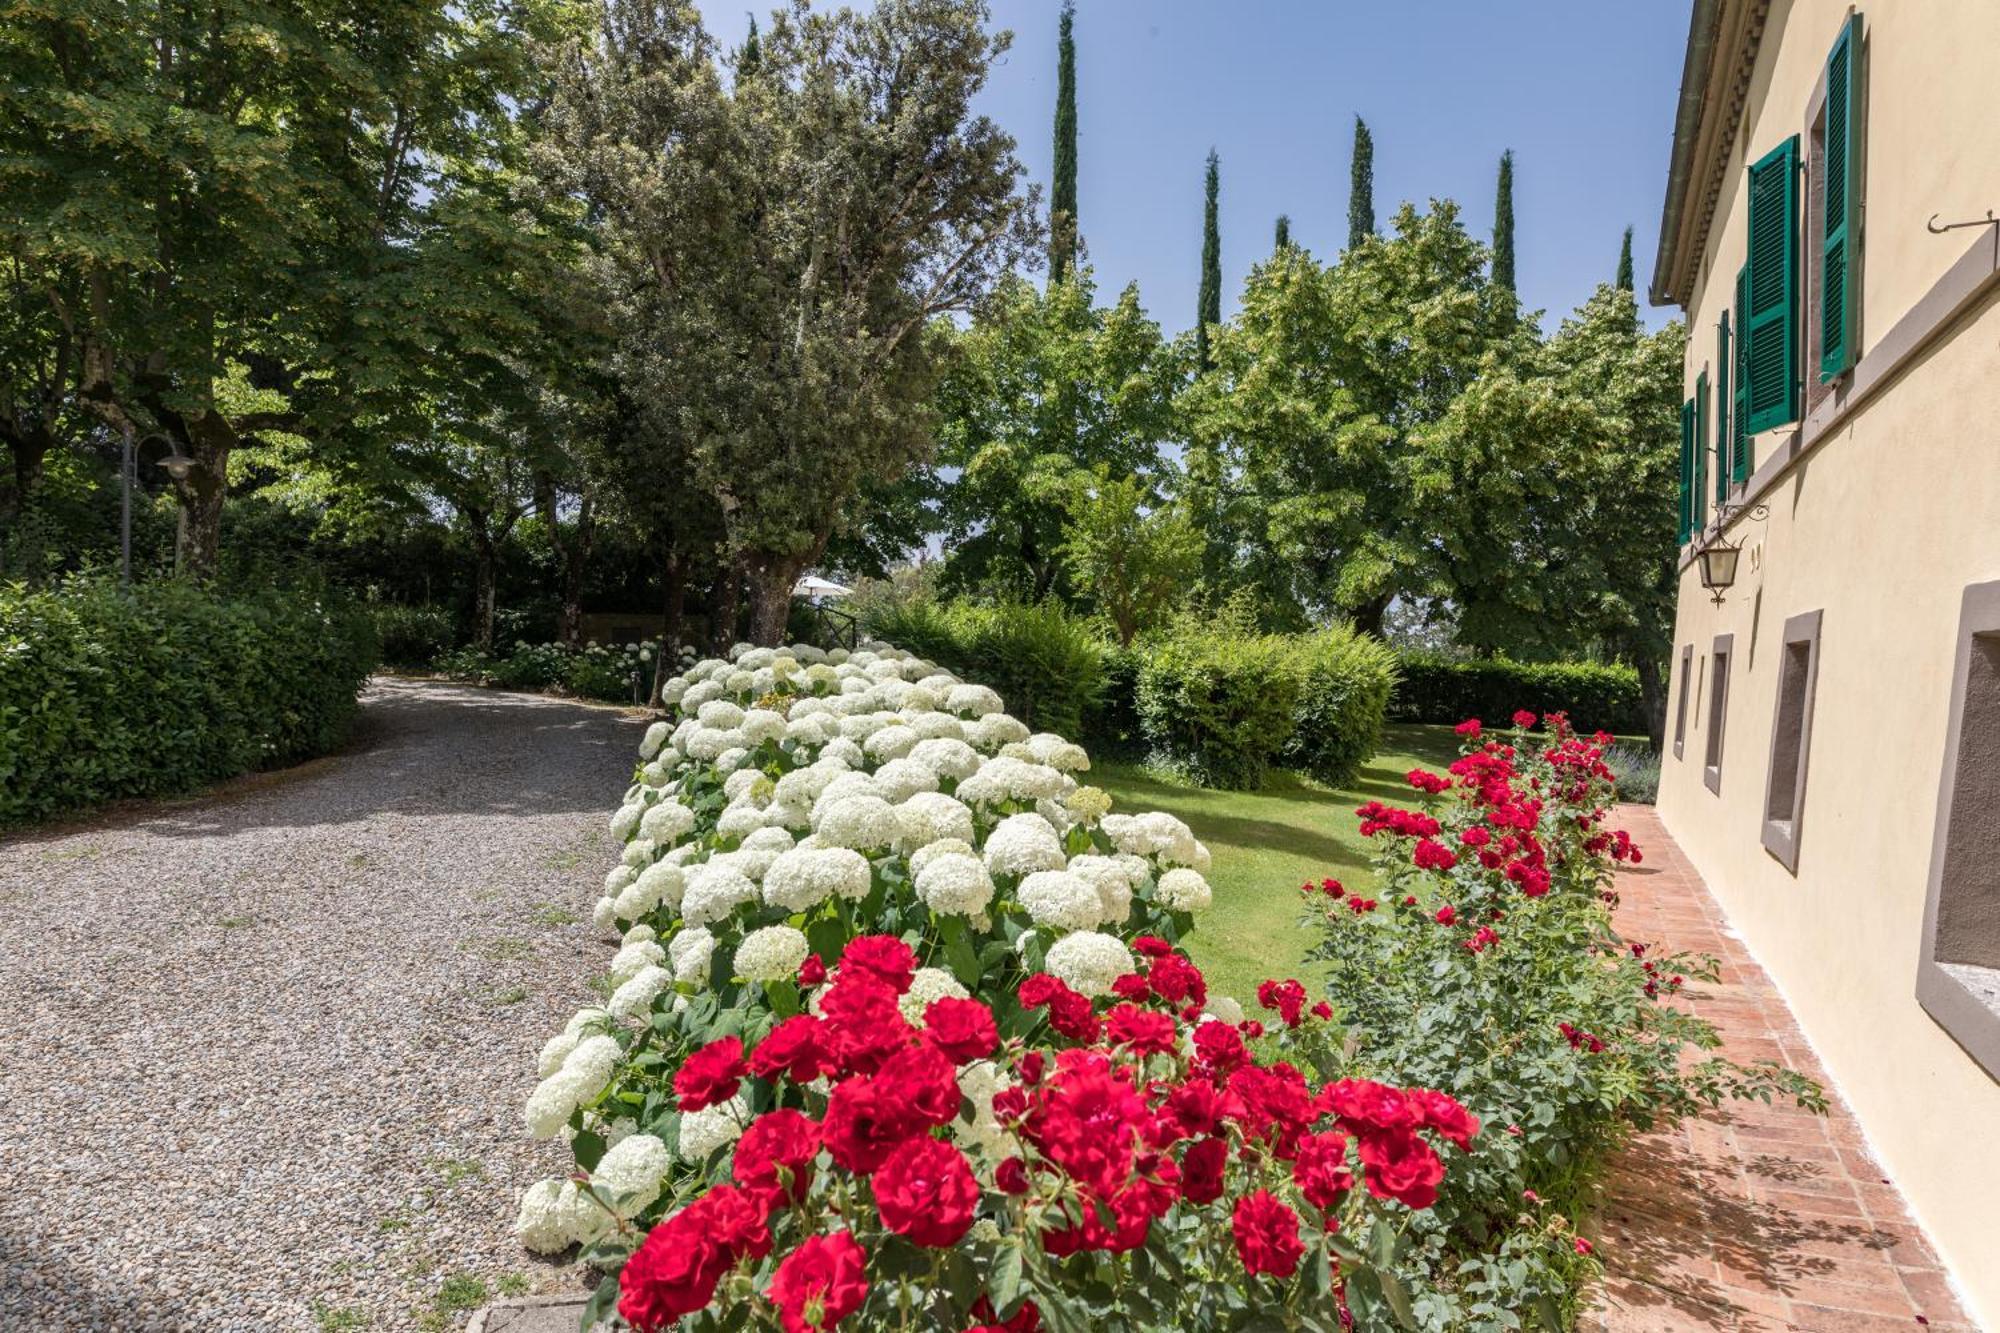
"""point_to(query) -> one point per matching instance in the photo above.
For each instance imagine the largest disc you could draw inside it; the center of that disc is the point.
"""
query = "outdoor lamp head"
(1718, 566)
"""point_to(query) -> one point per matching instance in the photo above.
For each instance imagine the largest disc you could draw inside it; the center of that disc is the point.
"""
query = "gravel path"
(262, 1054)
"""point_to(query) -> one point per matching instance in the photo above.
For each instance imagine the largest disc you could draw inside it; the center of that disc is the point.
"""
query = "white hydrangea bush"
(792, 800)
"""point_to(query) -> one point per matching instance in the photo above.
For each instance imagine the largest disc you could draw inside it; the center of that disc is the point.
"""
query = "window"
(1718, 709)
(1791, 738)
(1771, 322)
(1958, 974)
(1681, 709)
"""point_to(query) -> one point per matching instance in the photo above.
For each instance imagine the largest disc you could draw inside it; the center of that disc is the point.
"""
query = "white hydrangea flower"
(541, 1226)
(858, 727)
(1059, 898)
(845, 750)
(704, 1131)
(625, 964)
(584, 1073)
(900, 779)
(935, 726)
(973, 701)
(654, 774)
(1057, 752)
(618, 877)
(786, 816)
(930, 816)
(605, 915)
(1087, 805)
(636, 996)
(1113, 880)
(640, 931)
(813, 729)
(671, 692)
(1022, 844)
(558, 1047)
(1224, 1009)
(983, 1133)
(714, 891)
(864, 823)
(1089, 962)
(719, 714)
(625, 820)
(946, 757)
(731, 759)
(773, 953)
(763, 724)
(923, 856)
(995, 730)
(803, 786)
(843, 785)
(639, 853)
(738, 785)
(1007, 779)
(766, 839)
(630, 1174)
(891, 742)
(660, 885)
(656, 736)
(955, 884)
(804, 876)
(690, 951)
(927, 985)
(699, 694)
(1184, 890)
(739, 821)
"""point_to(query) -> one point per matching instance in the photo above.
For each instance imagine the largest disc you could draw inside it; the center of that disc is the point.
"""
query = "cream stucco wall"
(1880, 527)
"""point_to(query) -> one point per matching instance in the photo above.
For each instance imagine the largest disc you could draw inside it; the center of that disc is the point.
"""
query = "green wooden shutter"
(1739, 414)
(1709, 442)
(1698, 503)
(1837, 254)
(1772, 328)
(1725, 434)
(1687, 470)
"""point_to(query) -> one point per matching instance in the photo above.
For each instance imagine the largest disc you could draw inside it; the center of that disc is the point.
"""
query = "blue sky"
(1583, 91)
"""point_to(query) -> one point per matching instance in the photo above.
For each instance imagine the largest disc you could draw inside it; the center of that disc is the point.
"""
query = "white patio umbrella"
(814, 586)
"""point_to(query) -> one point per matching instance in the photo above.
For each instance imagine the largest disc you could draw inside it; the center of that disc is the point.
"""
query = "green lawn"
(1266, 843)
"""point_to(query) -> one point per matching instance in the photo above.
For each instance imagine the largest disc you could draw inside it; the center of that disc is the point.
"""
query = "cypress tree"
(1284, 231)
(1361, 186)
(1208, 301)
(1503, 224)
(1625, 263)
(751, 57)
(1062, 197)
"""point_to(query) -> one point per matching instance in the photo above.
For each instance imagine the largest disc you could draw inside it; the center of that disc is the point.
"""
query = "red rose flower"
(925, 1191)
(1447, 914)
(1011, 1176)
(1038, 990)
(865, 1123)
(1523, 718)
(1399, 1165)
(675, 1271)
(1027, 1319)
(1469, 727)
(882, 956)
(1029, 1067)
(1175, 979)
(1583, 1246)
(863, 1024)
(1364, 1105)
(962, 1029)
(1267, 1235)
(1287, 997)
(820, 1283)
(1070, 1014)
(1431, 855)
(812, 972)
(1151, 946)
(797, 1048)
(1219, 1047)
(1146, 1031)
(774, 1158)
(1442, 1112)
(711, 1075)
(1201, 1170)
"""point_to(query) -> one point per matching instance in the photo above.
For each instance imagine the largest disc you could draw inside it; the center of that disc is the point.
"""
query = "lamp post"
(177, 466)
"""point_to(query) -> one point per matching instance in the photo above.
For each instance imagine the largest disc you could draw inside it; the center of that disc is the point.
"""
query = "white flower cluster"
(791, 786)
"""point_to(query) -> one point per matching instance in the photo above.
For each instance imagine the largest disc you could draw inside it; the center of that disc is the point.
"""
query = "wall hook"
(1934, 229)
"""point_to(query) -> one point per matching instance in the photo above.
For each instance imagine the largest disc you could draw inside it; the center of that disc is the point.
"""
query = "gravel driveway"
(262, 1054)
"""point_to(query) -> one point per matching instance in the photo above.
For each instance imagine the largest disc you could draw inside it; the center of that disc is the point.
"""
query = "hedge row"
(1443, 689)
(108, 693)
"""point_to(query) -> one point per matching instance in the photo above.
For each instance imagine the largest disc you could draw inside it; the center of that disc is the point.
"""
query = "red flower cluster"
(1524, 718)
(1287, 998)
(1578, 1039)
(1379, 818)
(1426, 781)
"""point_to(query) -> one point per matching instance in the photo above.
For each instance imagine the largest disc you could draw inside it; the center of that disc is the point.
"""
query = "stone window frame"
(1791, 746)
(1721, 657)
(1681, 708)
(1962, 994)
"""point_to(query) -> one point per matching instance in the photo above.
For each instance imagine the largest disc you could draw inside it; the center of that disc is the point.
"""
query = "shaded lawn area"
(1266, 843)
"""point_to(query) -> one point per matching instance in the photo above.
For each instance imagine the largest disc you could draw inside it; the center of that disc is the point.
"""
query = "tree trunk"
(485, 576)
(674, 575)
(772, 578)
(1653, 698)
(576, 553)
(1368, 616)
(28, 450)
(198, 548)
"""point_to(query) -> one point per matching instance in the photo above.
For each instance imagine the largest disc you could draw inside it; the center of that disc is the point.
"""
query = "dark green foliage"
(414, 636)
(1345, 680)
(1442, 689)
(614, 673)
(1062, 194)
(1111, 727)
(1625, 263)
(1284, 232)
(1361, 187)
(1208, 301)
(1047, 663)
(165, 688)
(1503, 224)
(1215, 701)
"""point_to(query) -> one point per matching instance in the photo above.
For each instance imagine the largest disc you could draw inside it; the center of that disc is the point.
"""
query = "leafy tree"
(1284, 232)
(1361, 187)
(1041, 387)
(1503, 224)
(234, 211)
(1137, 556)
(1624, 283)
(1062, 195)
(788, 245)
(1208, 300)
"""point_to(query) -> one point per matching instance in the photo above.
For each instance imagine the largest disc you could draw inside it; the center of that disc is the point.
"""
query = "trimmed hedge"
(414, 636)
(1443, 689)
(108, 693)
(1345, 685)
(1048, 664)
(1217, 707)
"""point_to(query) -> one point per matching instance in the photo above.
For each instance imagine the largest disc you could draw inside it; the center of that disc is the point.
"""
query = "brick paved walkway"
(1753, 1218)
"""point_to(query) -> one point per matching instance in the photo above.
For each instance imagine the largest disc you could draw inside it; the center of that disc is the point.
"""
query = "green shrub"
(1111, 727)
(109, 693)
(1345, 679)
(1442, 689)
(1047, 663)
(1636, 768)
(1216, 700)
(413, 636)
(606, 671)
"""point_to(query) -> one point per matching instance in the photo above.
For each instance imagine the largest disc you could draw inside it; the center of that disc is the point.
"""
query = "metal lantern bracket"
(1717, 559)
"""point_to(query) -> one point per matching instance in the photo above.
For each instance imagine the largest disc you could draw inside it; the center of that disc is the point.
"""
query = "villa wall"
(1884, 514)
